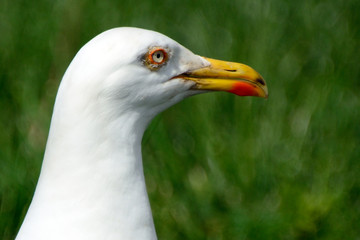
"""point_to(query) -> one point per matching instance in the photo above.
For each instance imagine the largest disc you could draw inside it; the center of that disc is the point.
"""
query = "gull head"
(147, 72)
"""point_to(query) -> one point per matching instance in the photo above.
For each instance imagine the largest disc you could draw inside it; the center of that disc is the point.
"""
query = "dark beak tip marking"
(261, 81)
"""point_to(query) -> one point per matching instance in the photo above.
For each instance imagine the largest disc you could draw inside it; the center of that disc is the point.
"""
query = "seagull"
(92, 184)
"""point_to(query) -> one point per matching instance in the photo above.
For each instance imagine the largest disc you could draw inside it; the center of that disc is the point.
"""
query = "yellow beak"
(236, 78)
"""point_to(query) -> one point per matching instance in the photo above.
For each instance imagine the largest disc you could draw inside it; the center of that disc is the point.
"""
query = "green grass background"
(217, 166)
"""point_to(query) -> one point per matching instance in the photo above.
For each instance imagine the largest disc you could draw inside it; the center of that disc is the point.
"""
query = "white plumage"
(92, 184)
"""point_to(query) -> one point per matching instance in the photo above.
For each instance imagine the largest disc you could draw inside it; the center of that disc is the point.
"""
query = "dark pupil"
(158, 55)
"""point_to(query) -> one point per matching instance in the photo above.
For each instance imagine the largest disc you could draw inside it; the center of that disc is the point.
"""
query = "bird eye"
(156, 58)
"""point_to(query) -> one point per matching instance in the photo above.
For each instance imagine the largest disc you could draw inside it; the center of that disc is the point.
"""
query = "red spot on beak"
(244, 89)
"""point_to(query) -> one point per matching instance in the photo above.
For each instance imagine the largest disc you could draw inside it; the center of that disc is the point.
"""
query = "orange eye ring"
(157, 56)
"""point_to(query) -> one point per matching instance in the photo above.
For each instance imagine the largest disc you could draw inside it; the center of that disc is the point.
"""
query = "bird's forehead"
(124, 46)
(134, 40)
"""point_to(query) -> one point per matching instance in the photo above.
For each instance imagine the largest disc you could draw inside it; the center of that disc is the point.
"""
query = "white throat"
(92, 183)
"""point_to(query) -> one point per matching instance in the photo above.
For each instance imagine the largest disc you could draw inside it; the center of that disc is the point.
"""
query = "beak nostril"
(230, 70)
(261, 81)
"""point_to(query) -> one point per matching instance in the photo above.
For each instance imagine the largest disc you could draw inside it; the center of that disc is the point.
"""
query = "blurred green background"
(217, 166)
